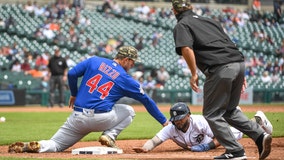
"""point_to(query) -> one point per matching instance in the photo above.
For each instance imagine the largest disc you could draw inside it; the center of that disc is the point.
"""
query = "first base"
(97, 150)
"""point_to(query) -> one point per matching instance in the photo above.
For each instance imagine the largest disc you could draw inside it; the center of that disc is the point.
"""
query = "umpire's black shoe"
(239, 155)
(264, 145)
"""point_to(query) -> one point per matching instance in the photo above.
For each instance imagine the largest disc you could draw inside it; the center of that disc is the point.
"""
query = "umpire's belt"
(80, 109)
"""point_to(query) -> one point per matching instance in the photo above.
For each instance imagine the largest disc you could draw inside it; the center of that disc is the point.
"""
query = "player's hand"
(194, 83)
(71, 101)
(64, 78)
(244, 86)
(139, 150)
(166, 123)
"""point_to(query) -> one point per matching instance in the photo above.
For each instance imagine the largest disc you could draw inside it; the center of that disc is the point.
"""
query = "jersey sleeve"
(65, 66)
(166, 132)
(184, 37)
(74, 74)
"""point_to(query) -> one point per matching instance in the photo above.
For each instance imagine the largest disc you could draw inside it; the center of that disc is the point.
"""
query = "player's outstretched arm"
(149, 145)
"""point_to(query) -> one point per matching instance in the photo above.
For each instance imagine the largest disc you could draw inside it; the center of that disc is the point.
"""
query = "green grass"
(42, 125)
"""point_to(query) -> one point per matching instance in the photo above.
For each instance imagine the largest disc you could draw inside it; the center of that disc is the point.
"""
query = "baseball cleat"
(20, 147)
(264, 146)
(239, 108)
(262, 120)
(107, 141)
(239, 155)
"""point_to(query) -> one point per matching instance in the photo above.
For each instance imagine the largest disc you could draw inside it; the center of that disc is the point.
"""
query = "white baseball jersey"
(198, 132)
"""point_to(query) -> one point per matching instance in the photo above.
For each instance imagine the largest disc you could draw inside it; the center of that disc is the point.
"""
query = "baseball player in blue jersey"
(192, 132)
(103, 83)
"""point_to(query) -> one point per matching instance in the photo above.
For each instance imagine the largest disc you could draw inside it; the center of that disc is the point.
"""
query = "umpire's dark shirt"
(57, 65)
(206, 37)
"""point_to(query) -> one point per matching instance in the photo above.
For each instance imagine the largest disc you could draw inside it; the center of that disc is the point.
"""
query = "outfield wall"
(160, 96)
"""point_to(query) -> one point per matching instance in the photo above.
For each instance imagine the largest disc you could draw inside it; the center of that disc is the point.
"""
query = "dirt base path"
(167, 150)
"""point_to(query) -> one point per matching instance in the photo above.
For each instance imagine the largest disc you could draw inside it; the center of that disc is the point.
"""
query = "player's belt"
(80, 109)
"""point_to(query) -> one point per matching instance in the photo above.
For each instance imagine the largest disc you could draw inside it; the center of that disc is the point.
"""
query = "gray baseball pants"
(79, 125)
(222, 90)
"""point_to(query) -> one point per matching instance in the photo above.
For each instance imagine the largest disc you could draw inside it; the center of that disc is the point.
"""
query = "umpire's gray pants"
(222, 90)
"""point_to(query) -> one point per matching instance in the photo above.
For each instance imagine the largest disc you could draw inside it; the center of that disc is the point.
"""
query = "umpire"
(203, 44)
(58, 75)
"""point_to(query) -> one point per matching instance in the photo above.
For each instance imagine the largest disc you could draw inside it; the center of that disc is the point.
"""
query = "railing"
(41, 97)
(259, 96)
(166, 96)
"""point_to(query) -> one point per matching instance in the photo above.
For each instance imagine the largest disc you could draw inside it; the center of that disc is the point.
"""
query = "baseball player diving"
(192, 132)
(104, 82)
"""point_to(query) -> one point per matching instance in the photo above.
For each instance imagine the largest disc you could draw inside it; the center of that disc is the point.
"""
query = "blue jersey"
(103, 83)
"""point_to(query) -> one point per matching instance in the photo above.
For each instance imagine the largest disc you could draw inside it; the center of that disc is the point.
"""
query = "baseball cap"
(130, 52)
(178, 111)
(179, 4)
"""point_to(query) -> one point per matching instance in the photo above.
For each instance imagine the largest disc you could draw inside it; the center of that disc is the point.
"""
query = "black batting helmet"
(178, 111)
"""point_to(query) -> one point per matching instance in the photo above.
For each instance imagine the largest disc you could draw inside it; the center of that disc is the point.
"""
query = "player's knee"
(125, 110)
(131, 111)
